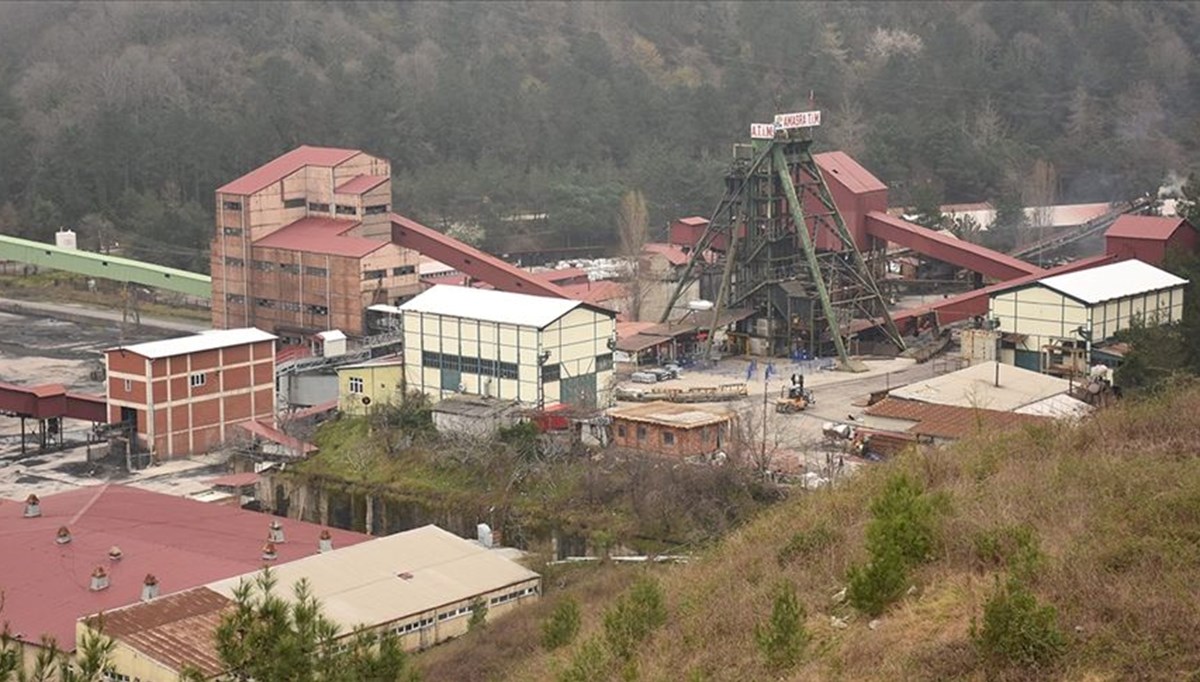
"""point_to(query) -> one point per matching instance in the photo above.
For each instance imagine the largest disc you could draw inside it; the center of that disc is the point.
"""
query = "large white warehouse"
(1065, 315)
(533, 349)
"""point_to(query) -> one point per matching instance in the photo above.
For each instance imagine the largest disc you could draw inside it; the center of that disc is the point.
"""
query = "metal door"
(1029, 359)
(579, 391)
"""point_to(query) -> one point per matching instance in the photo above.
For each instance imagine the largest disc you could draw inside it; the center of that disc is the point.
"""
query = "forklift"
(795, 398)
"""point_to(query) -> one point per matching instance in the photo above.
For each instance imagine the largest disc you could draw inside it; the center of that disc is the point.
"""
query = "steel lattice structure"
(805, 286)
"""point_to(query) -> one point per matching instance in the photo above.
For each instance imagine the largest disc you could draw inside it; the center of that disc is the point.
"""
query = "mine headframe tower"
(809, 288)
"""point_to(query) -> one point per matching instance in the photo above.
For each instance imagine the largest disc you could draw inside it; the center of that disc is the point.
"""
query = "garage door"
(1029, 359)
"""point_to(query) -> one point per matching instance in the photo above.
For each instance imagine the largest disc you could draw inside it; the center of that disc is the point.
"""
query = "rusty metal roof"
(176, 630)
(950, 421)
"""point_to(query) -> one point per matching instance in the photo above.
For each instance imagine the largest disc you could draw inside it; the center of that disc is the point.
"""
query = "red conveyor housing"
(964, 254)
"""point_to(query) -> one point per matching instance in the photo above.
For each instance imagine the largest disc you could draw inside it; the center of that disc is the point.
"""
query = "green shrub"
(589, 663)
(634, 617)
(903, 518)
(806, 542)
(1013, 547)
(479, 611)
(1016, 629)
(873, 587)
(782, 638)
(562, 625)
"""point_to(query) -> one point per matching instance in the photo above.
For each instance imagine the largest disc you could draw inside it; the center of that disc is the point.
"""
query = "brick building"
(675, 429)
(303, 244)
(185, 394)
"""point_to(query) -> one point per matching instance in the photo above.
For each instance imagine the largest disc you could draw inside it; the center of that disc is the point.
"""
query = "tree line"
(119, 119)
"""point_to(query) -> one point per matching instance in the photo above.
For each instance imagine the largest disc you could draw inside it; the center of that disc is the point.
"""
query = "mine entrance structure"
(811, 289)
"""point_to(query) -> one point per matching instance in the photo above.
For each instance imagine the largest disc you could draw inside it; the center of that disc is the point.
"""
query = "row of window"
(413, 626)
(290, 306)
(195, 380)
(339, 209)
(493, 368)
(267, 266)
(396, 272)
(513, 595)
(460, 611)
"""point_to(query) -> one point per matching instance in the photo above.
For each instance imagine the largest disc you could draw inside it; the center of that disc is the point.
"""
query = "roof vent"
(115, 553)
(325, 542)
(405, 576)
(268, 552)
(64, 535)
(33, 507)
(276, 532)
(149, 587)
(99, 579)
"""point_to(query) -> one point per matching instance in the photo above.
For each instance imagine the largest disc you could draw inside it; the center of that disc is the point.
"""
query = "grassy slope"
(1116, 507)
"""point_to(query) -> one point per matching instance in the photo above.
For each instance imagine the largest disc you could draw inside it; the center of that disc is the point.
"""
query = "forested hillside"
(122, 118)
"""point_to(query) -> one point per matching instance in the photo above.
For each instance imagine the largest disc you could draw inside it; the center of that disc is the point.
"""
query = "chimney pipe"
(149, 587)
(268, 552)
(33, 507)
(325, 542)
(276, 532)
(99, 579)
(64, 535)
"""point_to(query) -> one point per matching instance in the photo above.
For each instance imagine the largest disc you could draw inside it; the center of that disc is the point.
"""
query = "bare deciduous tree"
(633, 226)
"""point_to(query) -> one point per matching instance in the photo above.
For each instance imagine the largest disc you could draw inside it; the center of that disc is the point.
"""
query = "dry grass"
(1115, 505)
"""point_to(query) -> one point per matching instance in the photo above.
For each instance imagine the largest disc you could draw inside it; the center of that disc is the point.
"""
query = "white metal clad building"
(1075, 310)
(534, 349)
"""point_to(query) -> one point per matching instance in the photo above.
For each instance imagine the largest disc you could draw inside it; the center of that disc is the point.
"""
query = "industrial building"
(1050, 324)
(77, 553)
(373, 383)
(537, 350)
(475, 416)
(420, 584)
(183, 396)
(304, 244)
(1150, 238)
(672, 429)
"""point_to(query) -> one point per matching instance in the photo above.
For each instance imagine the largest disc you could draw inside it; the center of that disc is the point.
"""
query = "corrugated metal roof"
(279, 168)
(360, 184)
(320, 235)
(1108, 282)
(362, 584)
(176, 630)
(974, 387)
(949, 421)
(849, 172)
(206, 340)
(1144, 227)
(490, 305)
(674, 254)
(183, 542)
(678, 415)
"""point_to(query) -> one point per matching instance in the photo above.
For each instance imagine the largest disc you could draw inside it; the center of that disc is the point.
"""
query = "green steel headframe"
(767, 259)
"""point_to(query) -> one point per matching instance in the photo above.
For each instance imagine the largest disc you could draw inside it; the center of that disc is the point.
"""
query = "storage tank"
(65, 239)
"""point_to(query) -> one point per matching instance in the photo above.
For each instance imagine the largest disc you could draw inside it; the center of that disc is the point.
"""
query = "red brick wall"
(686, 442)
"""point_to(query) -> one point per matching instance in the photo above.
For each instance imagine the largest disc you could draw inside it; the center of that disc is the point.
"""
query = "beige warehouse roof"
(396, 576)
(1108, 282)
(206, 340)
(678, 415)
(975, 387)
(489, 305)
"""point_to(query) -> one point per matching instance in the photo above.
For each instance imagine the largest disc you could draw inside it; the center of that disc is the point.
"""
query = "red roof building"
(1150, 238)
(129, 533)
(304, 244)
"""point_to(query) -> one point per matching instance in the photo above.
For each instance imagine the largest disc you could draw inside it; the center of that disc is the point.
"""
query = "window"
(429, 359)
(641, 432)
(551, 372)
(111, 675)
(375, 274)
(290, 268)
(509, 370)
(197, 380)
(375, 210)
(234, 262)
(621, 432)
(668, 438)
(290, 306)
(470, 365)
(128, 385)
(343, 209)
(264, 265)
(318, 208)
(404, 270)
(264, 303)
(231, 205)
(315, 272)
(318, 310)
(604, 362)
(356, 384)
(232, 231)
(294, 203)
(235, 298)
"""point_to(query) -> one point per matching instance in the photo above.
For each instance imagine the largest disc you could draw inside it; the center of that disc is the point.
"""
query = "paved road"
(76, 312)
